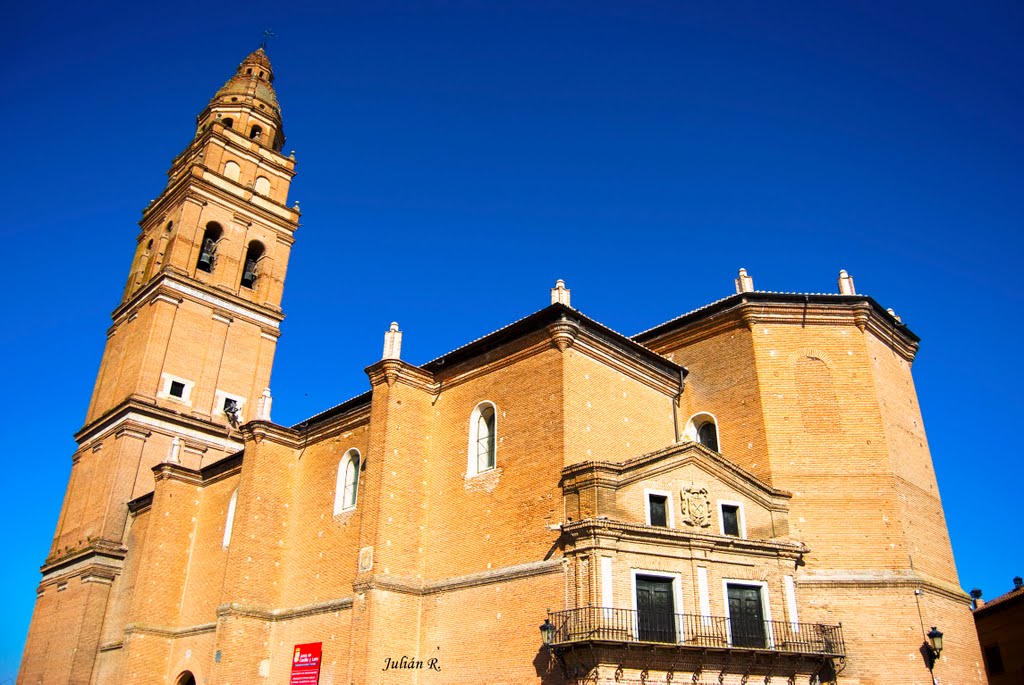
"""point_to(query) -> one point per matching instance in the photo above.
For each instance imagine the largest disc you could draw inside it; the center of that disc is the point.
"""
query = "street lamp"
(935, 642)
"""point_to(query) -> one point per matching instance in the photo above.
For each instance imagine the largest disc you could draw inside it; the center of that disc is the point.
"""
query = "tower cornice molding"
(173, 287)
(229, 139)
(197, 189)
(99, 555)
(141, 419)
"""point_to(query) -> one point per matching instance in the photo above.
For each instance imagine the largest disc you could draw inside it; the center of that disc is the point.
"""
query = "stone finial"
(560, 293)
(893, 314)
(393, 342)
(744, 283)
(263, 411)
(174, 451)
(846, 283)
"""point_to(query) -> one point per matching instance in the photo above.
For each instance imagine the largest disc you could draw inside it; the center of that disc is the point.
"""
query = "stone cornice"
(595, 533)
(616, 475)
(748, 310)
(140, 504)
(512, 353)
(258, 431)
(237, 609)
(414, 586)
(182, 474)
(838, 579)
(626, 362)
(393, 371)
(98, 558)
(164, 631)
(562, 334)
(336, 425)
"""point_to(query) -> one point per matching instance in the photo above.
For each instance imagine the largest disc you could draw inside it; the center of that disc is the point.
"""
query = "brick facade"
(817, 507)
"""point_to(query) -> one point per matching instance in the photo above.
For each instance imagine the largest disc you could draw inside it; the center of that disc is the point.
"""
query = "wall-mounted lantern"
(547, 632)
(935, 642)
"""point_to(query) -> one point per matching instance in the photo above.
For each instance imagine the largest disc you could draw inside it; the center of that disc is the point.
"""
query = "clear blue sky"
(455, 158)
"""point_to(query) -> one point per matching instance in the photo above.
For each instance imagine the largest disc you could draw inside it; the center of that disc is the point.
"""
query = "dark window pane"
(731, 519)
(177, 389)
(659, 516)
(655, 609)
(708, 436)
(747, 625)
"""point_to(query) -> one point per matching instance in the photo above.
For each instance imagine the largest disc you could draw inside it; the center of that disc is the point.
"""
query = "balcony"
(591, 638)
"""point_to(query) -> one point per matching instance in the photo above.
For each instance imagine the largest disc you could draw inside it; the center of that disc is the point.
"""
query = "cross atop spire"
(267, 35)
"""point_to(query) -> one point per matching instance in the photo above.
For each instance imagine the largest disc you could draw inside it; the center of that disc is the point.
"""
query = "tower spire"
(189, 353)
(248, 100)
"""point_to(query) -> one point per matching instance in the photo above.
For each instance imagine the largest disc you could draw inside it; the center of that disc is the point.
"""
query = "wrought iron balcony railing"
(694, 630)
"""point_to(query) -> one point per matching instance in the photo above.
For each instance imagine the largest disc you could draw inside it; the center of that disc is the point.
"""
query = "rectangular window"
(994, 660)
(657, 507)
(177, 389)
(731, 520)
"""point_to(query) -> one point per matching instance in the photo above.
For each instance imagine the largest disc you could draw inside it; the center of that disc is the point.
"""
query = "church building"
(741, 494)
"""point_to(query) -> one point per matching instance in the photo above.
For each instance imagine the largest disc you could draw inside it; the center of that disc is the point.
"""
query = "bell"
(249, 275)
(205, 260)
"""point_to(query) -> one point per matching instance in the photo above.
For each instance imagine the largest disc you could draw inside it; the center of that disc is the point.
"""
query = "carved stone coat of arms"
(696, 506)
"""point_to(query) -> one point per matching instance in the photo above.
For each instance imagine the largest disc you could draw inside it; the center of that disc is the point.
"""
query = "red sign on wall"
(306, 664)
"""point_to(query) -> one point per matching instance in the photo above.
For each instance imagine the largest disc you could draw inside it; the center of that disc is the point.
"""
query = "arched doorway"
(186, 678)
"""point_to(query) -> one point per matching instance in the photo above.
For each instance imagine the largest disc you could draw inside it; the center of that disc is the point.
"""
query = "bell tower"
(188, 357)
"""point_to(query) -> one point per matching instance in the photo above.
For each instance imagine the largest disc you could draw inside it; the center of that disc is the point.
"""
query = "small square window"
(731, 520)
(177, 389)
(658, 510)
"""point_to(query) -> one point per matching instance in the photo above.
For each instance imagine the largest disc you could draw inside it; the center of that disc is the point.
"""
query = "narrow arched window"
(250, 270)
(483, 439)
(230, 522)
(255, 132)
(228, 123)
(208, 248)
(346, 490)
(232, 170)
(262, 185)
(707, 435)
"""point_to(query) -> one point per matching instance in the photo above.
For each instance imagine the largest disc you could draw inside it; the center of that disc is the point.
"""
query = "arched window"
(228, 123)
(208, 248)
(186, 678)
(255, 132)
(346, 489)
(230, 522)
(703, 428)
(483, 439)
(232, 170)
(250, 272)
(262, 185)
